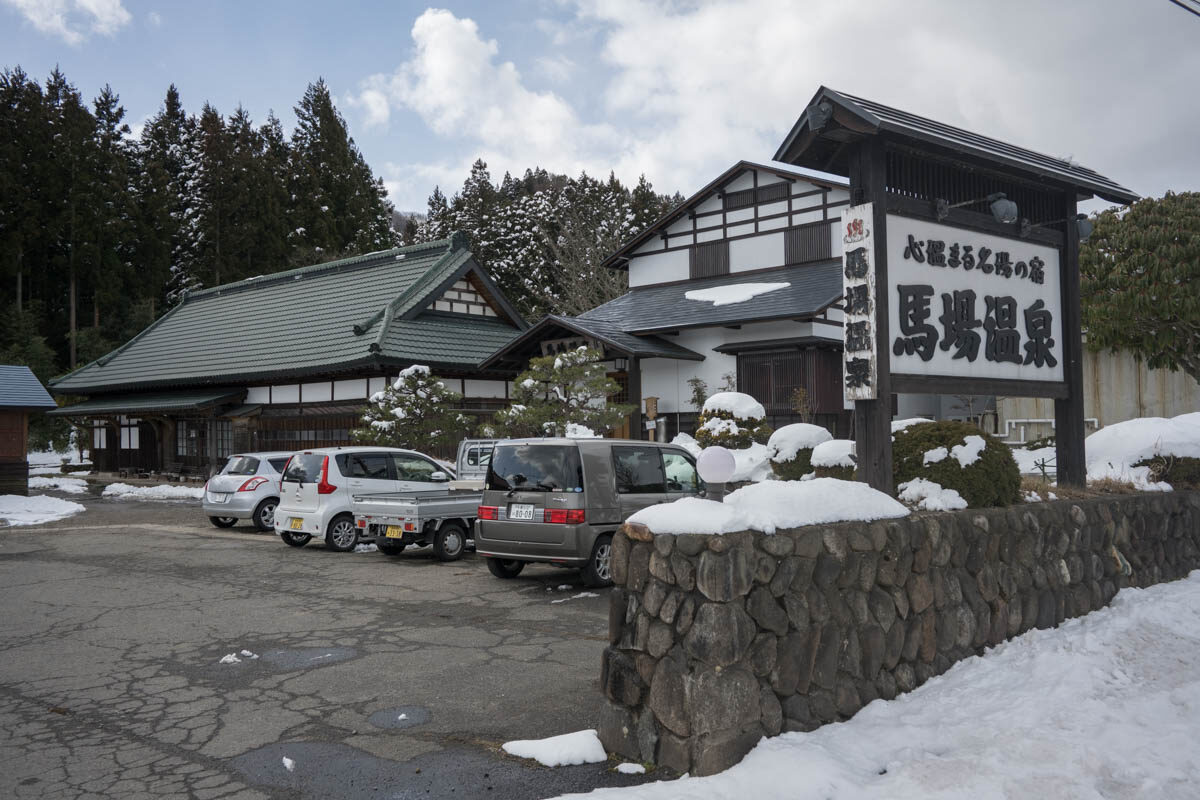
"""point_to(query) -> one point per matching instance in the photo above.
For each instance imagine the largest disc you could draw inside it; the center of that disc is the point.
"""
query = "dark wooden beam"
(635, 397)
(872, 418)
(943, 384)
(1068, 411)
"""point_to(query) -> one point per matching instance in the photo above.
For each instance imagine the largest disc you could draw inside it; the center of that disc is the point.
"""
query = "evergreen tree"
(414, 412)
(116, 286)
(560, 390)
(24, 155)
(213, 195)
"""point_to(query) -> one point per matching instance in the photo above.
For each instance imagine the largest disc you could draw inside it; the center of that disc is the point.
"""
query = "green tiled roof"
(327, 318)
(19, 388)
(141, 403)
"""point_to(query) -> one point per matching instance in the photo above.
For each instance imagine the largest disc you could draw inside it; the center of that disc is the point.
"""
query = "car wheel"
(390, 549)
(295, 539)
(264, 514)
(341, 535)
(598, 570)
(505, 567)
(223, 522)
(449, 542)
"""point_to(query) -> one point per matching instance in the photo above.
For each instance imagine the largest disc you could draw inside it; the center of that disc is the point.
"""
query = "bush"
(1181, 472)
(733, 420)
(928, 451)
(792, 448)
(833, 459)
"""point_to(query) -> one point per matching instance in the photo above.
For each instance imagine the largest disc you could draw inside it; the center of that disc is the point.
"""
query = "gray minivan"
(559, 501)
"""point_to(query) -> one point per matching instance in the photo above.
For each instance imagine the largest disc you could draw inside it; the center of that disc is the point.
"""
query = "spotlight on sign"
(716, 466)
(1003, 209)
(1084, 226)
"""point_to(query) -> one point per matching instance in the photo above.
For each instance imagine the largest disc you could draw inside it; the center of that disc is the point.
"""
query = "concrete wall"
(717, 641)
(1117, 387)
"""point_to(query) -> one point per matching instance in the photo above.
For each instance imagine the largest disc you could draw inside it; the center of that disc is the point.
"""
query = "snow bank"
(771, 505)
(1027, 460)
(687, 443)
(1103, 706)
(753, 463)
(734, 293)
(581, 747)
(1112, 451)
(930, 496)
(834, 453)
(36, 509)
(790, 439)
(740, 405)
(123, 491)
(68, 485)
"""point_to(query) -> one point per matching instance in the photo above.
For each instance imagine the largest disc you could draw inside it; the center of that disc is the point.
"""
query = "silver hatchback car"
(248, 487)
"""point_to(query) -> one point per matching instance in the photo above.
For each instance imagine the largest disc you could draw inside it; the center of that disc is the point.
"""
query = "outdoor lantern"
(621, 364)
(716, 466)
(1084, 226)
(1003, 209)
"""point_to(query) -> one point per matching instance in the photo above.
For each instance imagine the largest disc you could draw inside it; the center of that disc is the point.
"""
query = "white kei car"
(248, 487)
(318, 486)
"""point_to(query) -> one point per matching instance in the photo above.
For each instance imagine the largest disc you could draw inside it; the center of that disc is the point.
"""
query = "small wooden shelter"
(20, 394)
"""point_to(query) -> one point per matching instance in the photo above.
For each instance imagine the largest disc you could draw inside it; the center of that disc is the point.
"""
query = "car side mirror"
(439, 477)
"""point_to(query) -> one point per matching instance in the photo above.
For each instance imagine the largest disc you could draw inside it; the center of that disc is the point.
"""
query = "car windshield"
(304, 468)
(242, 465)
(535, 468)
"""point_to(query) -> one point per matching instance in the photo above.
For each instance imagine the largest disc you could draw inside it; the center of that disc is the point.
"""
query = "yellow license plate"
(394, 532)
(296, 524)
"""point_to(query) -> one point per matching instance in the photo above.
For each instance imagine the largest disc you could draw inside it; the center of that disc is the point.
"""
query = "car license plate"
(296, 524)
(395, 532)
(520, 511)
(219, 497)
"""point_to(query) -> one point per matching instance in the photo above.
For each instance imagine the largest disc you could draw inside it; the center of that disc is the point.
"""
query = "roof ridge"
(315, 269)
(455, 254)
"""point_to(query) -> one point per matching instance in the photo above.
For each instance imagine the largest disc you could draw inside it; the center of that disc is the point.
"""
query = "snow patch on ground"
(123, 491)
(785, 442)
(740, 405)
(834, 453)
(581, 747)
(771, 505)
(289, 764)
(68, 485)
(630, 769)
(1103, 706)
(574, 597)
(734, 293)
(366, 548)
(930, 496)
(1028, 460)
(36, 509)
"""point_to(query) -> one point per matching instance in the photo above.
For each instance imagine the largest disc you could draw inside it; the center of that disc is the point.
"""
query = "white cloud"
(154, 18)
(72, 20)
(374, 105)
(689, 88)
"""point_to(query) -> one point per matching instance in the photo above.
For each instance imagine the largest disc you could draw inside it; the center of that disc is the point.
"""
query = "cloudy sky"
(670, 89)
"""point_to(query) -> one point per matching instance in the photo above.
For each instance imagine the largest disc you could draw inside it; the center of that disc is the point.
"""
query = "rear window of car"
(277, 464)
(535, 468)
(242, 465)
(304, 468)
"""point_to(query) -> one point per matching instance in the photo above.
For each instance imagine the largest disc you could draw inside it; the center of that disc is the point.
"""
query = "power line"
(1192, 6)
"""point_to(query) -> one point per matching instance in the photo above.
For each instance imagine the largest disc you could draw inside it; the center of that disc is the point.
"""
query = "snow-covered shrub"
(415, 412)
(557, 391)
(834, 459)
(957, 456)
(733, 420)
(792, 447)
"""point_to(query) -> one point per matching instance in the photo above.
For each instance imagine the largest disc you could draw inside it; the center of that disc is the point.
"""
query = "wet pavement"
(374, 676)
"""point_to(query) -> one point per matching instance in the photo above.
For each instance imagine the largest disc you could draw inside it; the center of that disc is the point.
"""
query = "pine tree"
(561, 390)
(414, 412)
(116, 287)
(24, 159)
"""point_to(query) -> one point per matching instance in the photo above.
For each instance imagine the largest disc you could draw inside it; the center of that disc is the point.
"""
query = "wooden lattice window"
(709, 259)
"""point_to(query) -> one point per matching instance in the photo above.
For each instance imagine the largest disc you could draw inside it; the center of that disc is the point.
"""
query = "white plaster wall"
(772, 224)
(710, 203)
(376, 385)
(481, 388)
(740, 215)
(654, 244)
(681, 225)
(289, 393)
(317, 392)
(767, 209)
(710, 236)
(658, 268)
(838, 195)
(807, 216)
(743, 181)
(350, 389)
(741, 230)
(756, 252)
(258, 394)
(812, 201)
(834, 234)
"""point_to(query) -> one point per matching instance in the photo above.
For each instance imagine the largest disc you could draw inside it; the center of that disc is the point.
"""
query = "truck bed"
(426, 505)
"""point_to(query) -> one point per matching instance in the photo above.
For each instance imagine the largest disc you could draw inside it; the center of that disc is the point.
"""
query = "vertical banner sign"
(858, 283)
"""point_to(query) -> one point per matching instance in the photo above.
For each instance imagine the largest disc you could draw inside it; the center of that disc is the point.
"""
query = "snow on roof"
(785, 442)
(741, 405)
(771, 505)
(733, 293)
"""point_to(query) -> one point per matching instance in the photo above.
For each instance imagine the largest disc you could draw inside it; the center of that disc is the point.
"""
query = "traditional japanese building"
(288, 360)
(21, 394)
(741, 283)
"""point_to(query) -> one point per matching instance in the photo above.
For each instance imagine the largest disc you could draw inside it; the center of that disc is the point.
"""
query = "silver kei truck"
(559, 501)
(442, 517)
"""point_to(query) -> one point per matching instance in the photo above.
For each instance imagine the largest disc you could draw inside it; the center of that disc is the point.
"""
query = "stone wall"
(716, 641)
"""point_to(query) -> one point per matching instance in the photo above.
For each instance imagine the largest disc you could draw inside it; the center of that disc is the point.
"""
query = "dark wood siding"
(774, 192)
(772, 377)
(740, 199)
(812, 242)
(709, 259)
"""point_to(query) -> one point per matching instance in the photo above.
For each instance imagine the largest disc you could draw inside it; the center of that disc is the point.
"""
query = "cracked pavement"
(115, 622)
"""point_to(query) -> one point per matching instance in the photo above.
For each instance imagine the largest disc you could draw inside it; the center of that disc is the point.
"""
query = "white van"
(316, 491)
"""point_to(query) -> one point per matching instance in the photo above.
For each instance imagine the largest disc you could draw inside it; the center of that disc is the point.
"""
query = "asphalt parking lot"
(376, 676)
